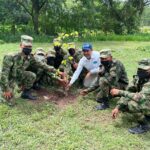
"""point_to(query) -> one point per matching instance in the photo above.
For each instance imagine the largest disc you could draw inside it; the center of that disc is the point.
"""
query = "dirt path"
(57, 97)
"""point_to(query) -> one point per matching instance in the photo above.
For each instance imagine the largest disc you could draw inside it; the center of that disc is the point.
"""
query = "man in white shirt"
(90, 61)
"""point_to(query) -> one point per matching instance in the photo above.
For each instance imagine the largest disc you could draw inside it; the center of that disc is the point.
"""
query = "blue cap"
(86, 47)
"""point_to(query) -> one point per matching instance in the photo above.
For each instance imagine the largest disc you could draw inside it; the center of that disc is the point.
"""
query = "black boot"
(139, 129)
(99, 100)
(26, 94)
(36, 86)
(147, 118)
(104, 104)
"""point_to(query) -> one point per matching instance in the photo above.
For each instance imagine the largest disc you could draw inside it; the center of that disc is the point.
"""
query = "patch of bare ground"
(58, 97)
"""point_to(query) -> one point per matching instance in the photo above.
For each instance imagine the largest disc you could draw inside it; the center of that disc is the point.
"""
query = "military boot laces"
(141, 128)
(27, 95)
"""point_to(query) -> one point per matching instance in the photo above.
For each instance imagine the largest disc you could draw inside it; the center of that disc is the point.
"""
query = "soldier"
(114, 75)
(14, 71)
(40, 56)
(137, 99)
(70, 61)
(50, 56)
(59, 53)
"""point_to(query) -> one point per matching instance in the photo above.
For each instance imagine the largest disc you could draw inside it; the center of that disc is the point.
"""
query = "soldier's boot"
(104, 104)
(36, 86)
(99, 100)
(26, 94)
(140, 128)
(147, 118)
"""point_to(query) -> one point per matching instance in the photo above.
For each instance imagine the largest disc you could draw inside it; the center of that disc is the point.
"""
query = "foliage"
(51, 17)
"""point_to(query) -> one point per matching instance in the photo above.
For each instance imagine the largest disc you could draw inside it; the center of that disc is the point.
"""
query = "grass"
(45, 126)
(97, 36)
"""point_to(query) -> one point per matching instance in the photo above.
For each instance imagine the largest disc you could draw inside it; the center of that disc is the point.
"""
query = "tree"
(33, 8)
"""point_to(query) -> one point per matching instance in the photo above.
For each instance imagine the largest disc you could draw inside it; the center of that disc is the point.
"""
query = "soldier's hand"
(63, 82)
(84, 92)
(8, 95)
(114, 92)
(115, 113)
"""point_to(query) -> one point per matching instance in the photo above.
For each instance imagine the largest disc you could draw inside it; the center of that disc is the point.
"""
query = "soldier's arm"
(6, 68)
(138, 97)
(42, 65)
(111, 77)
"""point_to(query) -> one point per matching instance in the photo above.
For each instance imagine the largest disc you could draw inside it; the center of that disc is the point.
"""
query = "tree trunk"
(35, 15)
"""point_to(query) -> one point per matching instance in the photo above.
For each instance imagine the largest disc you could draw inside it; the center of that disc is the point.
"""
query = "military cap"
(57, 42)
(51, 53)
(71, 45)
(144, 64)
(104, 53)
(26, 40)
(39, 51)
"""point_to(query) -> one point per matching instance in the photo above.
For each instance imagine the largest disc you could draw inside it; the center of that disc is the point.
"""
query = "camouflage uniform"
(14, 69)
(39, 56)
(137, 99)
(60, 53)
(69, 60)
(114, 76)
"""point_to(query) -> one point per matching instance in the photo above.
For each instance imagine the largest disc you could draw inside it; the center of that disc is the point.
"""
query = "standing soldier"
(137, 99)
(114, 76)
(14, 71)
(70, 61)
(59, 53)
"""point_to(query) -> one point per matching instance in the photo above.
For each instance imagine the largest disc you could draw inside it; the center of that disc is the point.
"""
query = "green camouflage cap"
(104, 53)
(26, 40)
(39, 51)
(144, 64)
(51, 53)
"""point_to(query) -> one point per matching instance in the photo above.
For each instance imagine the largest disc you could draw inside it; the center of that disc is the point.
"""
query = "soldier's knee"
(133, 106)
(31, 76)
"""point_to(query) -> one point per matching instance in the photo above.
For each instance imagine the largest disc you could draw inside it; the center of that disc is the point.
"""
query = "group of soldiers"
(96, 71)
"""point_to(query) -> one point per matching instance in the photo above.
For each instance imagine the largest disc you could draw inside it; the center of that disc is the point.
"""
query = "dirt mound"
(58, 97)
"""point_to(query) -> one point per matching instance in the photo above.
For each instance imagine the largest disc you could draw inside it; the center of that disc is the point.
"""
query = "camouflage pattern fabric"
(136, 103)
(68, 61)
(114, 77)
(14, 70)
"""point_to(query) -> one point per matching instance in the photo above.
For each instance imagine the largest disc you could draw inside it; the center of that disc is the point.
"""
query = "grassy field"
(45, 126)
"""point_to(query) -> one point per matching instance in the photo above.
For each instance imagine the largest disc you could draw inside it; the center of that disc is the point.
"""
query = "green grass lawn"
(45, 126)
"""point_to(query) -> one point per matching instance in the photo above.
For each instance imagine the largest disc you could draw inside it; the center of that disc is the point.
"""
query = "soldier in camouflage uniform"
(70, 61)
(40, 56)
(14, 70)
(113, 75)
(137, 99)
(59, 52)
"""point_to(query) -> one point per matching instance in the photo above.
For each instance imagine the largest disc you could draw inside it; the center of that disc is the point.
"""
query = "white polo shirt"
(92, 65)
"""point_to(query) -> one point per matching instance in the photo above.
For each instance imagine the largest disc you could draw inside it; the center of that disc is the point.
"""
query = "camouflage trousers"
(24, 81)
(135, 109)
(105, 87)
